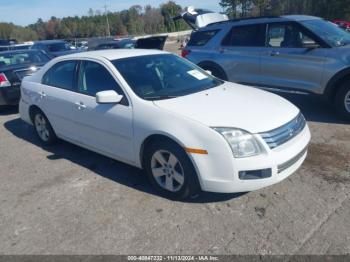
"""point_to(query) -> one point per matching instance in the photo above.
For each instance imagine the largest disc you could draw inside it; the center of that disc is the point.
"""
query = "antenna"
(106, 13)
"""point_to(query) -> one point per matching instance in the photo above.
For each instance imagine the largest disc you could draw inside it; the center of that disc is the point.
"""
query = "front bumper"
(219, 173)
(10, 95)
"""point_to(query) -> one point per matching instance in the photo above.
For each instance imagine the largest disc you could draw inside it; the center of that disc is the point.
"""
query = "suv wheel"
(170, 170)
(343, 100)
(43, 128)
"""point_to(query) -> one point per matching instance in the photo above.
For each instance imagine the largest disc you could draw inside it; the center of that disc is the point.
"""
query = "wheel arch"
(167, 137)
(32, 110)
(212, 65)
(152, 139)
(334, 84)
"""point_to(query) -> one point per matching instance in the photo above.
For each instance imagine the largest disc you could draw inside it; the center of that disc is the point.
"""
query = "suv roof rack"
(243, 19)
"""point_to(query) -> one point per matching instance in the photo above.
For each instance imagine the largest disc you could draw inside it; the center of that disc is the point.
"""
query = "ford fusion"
(154, 110)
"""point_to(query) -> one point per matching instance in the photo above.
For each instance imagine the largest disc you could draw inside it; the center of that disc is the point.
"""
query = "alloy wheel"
(167, 171)
(41, 127)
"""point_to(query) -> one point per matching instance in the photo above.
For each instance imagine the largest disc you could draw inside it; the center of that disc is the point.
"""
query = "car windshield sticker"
(197, 74)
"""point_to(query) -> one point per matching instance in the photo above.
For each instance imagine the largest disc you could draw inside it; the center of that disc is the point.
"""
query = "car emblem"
(291, 132)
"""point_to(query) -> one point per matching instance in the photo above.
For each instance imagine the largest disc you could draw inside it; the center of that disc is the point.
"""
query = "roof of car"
(300, 17)
(267, 19)
(114, 54)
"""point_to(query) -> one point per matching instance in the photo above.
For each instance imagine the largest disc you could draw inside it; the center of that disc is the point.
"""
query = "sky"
(24, 12)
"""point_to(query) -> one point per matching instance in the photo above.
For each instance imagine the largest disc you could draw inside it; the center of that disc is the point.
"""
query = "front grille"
(291, 162)
(283, 134)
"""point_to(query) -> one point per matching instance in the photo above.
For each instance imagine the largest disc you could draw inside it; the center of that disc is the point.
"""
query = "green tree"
(170, 10)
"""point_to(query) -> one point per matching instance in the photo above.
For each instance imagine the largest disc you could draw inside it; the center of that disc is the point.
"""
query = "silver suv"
(301, 53)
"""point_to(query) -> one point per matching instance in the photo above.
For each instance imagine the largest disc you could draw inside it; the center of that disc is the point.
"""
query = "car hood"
(233, 105)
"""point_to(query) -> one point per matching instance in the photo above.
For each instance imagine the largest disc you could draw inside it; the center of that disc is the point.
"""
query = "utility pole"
(106, 13)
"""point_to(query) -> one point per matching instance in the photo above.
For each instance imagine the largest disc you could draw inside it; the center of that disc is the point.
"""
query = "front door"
(106, 128)
(291, 58)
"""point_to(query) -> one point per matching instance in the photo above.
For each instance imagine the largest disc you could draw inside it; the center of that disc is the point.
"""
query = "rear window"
(58, 47)
(202, 37)
(18, 58)
(61, 75)
(246, 36)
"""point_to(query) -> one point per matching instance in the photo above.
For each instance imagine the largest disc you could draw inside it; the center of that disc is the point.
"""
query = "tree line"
(329, 9)
(136, 20)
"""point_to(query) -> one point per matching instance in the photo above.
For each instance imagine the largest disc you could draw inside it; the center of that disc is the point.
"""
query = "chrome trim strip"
(289, 163)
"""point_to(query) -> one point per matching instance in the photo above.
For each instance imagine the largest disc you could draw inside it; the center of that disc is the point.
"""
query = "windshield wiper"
(159, 97)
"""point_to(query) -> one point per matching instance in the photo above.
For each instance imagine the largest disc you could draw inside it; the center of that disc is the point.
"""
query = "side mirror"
(209, 72)
(108, 97)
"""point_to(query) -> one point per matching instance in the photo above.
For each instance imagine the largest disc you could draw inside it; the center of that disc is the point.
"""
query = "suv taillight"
(4, 82)
(185, 53)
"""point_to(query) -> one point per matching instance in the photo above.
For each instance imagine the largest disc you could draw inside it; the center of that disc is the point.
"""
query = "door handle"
(274, 53)
(42, 94)
(80, 105)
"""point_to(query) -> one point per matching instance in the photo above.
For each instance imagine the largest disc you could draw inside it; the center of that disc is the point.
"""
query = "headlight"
(242, 143)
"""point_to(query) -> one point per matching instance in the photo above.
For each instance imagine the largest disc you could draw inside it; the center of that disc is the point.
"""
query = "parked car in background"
(156, 111)
(343, 24)
(301, 53)
(14, 65)
(15, 47)
(24, 46)
(5, 44)
(150, 42)
(54, 48)
(115, 44)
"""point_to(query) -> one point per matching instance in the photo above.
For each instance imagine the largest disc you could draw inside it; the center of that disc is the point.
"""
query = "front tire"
(342, 100)
(43, 128)
(170, 170)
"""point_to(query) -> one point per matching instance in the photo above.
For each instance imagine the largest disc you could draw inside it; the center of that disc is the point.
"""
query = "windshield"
(156, 77)
(329, 32)
(58, 47)
(17, 58)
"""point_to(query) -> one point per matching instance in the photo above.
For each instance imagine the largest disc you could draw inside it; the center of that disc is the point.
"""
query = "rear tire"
(170, 170)
(43, 128)
(342, 100)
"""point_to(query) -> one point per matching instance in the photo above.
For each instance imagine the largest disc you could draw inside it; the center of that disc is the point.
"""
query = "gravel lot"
(65, 199)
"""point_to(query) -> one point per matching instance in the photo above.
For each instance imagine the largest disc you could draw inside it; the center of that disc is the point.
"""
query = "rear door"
(240, 51)
(57, 96)
(287, 62)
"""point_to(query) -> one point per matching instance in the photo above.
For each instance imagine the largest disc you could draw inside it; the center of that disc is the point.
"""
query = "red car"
(343, 24)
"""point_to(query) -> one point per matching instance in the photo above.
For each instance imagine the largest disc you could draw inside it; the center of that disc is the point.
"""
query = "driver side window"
(94, 78)
(287, 36)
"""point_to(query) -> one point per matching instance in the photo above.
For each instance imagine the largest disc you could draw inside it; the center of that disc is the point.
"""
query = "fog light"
(255, 174)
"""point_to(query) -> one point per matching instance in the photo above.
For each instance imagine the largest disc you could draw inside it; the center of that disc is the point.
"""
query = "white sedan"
(154, 110)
